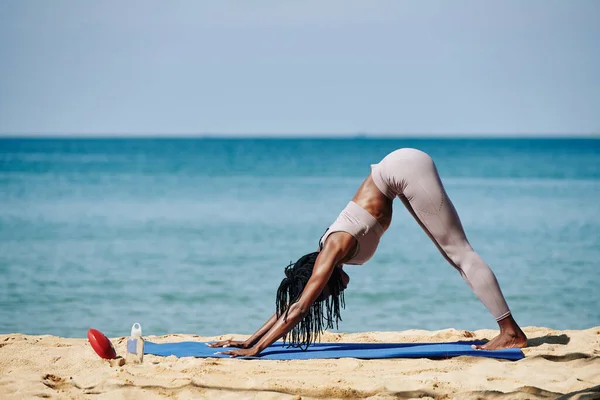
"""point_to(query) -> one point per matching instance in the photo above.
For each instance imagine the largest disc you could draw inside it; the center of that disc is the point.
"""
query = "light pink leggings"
(412, 176)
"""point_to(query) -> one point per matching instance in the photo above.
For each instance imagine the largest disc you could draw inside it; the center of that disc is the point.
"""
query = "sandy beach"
(557, 364)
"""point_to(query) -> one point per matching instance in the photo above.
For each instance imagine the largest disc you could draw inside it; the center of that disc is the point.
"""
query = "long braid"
(322, 313)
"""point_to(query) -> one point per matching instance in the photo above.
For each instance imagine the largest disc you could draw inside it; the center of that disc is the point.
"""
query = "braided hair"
(322, 313)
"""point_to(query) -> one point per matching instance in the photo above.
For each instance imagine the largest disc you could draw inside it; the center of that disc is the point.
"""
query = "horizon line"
(296, 135)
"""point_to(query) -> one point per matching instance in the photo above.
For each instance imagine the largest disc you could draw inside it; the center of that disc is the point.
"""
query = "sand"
(558, 364)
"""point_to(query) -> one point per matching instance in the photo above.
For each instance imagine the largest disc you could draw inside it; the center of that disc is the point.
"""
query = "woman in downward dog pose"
(310, 297)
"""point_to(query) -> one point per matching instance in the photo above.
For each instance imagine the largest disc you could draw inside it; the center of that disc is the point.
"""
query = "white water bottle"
(135, 345)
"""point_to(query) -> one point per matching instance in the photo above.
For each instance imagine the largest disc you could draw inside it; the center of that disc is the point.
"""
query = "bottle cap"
(136, 330)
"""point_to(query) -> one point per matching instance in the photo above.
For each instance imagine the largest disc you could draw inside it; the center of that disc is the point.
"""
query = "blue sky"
(300, 67)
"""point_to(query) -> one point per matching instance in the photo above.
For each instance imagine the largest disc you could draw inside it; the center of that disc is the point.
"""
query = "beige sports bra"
(357, 221)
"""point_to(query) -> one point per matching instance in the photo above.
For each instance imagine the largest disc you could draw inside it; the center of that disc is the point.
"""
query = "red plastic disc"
(101, 344)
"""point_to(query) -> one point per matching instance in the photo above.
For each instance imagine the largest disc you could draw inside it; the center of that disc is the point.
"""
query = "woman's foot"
(510, 336)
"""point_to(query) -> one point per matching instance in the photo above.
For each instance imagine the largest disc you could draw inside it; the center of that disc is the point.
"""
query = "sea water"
(192, 235)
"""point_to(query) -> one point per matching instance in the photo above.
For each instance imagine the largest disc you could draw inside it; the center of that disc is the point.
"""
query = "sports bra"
(367, 231)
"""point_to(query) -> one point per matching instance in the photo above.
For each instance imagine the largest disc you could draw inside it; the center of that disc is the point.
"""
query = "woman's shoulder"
(341, 244)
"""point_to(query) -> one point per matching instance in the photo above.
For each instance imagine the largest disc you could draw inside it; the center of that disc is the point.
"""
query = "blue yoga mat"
(278, 351)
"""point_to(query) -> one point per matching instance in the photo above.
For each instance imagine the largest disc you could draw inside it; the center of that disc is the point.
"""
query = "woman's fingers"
(229, 353)
(239, 353)
(221, 343)
(226, 343)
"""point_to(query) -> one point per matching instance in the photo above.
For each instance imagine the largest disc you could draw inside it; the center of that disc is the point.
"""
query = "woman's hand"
(251, 352)
(229, 343)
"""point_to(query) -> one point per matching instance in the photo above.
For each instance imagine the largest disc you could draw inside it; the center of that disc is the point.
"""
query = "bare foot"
(504, 340)
(510, 336)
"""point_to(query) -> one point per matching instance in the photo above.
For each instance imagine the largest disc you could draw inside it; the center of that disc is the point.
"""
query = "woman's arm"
(251, 341)
(262, 330)
(337, 246)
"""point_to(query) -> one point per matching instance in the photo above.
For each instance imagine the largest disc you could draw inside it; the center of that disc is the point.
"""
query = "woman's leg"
(425, 198)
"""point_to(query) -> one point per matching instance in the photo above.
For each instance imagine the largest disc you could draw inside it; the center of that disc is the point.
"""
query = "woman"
(309, 297)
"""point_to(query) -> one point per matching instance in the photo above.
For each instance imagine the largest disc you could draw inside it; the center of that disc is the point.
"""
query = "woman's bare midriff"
(369, 197)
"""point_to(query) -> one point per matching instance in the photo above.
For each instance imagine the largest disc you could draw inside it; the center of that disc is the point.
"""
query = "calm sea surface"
(192, 235)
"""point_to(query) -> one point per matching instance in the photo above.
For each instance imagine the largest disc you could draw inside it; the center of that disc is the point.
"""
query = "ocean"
(192, 235)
